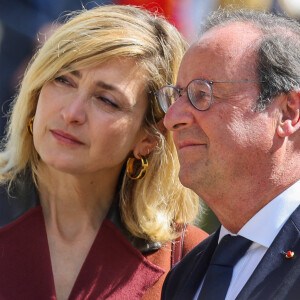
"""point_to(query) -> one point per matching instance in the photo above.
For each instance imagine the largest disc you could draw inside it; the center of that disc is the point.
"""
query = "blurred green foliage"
(206, 219)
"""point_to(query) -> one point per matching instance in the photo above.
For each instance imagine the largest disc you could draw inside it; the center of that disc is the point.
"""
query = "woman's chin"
(64, 166)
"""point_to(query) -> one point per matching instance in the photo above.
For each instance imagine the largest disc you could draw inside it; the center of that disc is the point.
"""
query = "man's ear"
(290, 109)
(145, 146)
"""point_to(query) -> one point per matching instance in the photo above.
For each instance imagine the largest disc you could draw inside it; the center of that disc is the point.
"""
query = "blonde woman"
(90, 200)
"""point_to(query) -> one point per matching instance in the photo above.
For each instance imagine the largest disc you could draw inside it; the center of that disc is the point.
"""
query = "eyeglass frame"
(208, 83)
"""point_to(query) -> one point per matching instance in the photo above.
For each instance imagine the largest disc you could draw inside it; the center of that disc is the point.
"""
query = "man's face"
(227, 147)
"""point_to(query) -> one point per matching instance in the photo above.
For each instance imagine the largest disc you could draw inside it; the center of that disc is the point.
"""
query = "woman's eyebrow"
(107, 86)
(76, 74)
(98, 83)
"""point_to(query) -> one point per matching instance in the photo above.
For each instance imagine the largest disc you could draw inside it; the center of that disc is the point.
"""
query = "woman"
(90, 196)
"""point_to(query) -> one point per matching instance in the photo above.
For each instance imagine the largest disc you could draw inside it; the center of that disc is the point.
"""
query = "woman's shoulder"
(192, 237)
(17, 199)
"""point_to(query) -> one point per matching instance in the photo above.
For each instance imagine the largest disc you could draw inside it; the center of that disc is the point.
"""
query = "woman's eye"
(107, 101)
(62, 79)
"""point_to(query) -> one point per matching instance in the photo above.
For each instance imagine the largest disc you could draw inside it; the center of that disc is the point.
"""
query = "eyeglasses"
(199, 93)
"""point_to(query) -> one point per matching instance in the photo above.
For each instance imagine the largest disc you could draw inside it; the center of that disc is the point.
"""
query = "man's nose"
(179, 114)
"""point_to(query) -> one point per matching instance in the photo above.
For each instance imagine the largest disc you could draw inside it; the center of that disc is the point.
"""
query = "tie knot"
(230, 250)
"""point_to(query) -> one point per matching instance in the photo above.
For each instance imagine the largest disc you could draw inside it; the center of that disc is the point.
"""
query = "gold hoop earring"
(29, 126)
(130, 166)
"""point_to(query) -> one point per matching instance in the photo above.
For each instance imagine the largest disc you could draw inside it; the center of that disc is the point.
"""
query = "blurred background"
(24, 24)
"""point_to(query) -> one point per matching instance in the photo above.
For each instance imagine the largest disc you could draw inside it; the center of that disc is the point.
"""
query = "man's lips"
(65, 137)
(187, 144)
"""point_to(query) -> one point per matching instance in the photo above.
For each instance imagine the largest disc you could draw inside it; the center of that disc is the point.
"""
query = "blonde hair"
(150, 207)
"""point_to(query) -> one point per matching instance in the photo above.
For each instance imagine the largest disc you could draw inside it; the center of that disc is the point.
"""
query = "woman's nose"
(74, 112)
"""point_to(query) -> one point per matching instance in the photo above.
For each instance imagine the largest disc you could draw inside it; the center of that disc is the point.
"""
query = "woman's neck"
(74, 203)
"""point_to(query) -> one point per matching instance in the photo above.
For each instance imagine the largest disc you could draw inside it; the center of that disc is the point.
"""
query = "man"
(236, 128)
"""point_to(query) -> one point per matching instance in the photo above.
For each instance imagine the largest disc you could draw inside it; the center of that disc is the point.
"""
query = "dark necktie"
(218, 276)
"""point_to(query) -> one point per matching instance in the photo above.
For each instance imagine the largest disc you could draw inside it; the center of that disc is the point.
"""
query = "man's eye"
(202, 94)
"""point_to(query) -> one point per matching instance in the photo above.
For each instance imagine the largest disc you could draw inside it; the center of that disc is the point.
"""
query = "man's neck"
(235, 210)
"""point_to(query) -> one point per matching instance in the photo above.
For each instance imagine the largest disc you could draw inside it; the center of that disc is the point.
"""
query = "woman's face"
(88, 121)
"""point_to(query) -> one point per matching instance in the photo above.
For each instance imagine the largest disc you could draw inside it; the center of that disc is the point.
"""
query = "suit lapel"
(195, 276)
(272, 277)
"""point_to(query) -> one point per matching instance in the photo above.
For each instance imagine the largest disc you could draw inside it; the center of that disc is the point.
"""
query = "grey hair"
(278, 50)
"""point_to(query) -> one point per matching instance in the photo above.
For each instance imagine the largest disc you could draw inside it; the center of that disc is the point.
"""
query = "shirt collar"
(263, 227)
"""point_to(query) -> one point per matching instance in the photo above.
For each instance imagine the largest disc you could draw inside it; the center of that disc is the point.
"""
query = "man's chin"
(185, 177)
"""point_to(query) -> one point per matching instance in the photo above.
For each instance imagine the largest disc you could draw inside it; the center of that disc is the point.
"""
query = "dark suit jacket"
(275, 278)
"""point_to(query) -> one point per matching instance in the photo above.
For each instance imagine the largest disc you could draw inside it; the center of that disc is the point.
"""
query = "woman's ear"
(145, 146)
(161, 127)
(290, 112)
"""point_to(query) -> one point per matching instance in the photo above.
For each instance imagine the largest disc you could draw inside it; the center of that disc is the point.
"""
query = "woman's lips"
(65, 137)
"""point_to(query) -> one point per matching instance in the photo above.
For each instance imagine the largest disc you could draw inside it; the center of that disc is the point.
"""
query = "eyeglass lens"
(199, 94)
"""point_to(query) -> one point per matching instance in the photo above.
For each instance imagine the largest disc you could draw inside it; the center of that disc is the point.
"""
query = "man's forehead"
(222, 53)
(231, 38)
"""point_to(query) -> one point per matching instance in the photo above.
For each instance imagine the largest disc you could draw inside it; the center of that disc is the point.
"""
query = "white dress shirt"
(262, 229)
